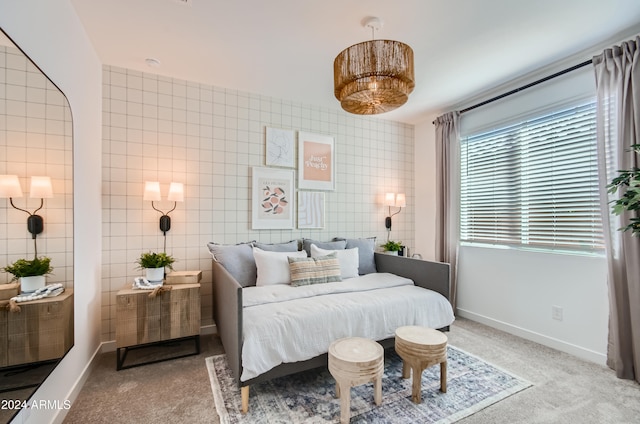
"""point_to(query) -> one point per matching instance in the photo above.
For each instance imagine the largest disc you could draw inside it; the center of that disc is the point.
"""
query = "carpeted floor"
(565, 389)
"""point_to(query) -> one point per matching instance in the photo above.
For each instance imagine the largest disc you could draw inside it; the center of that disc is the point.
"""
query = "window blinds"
(533, 183)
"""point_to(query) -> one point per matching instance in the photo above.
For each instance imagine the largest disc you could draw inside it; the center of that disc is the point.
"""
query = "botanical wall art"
(280, 147)
(272, 198)
(310, 209)
(316, 162)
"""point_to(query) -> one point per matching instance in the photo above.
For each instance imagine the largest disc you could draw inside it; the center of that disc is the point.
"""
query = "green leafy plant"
(29, 268)
(155, 260)
(392, 246)
(628, 182)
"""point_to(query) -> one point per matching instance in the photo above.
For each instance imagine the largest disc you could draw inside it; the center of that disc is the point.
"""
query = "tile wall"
(162, 129)
(35, 139)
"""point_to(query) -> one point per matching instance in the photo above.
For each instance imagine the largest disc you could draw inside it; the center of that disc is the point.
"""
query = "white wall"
(51, 34)
(514, 290)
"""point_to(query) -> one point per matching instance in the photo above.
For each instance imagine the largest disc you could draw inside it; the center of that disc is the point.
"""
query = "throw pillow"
(290, 246)
(348, 258)
(307, 271)
(273, 267)
(366, 248)
(237, 259)
(329, 245)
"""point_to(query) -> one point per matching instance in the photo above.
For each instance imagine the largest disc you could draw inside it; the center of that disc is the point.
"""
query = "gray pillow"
(238, 260)
(327, 245)
(289, 246)
(366, 247)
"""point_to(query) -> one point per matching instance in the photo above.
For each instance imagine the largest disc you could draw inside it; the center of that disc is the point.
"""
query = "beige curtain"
(447, 194)
(618, 89)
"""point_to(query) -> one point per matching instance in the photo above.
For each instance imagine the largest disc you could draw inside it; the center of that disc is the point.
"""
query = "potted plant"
(154, 263)
(31, 273)
(629, 181)
(392, 247)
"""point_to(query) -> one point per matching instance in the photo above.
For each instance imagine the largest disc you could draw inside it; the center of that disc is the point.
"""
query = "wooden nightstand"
(143, 321)
(41, 331)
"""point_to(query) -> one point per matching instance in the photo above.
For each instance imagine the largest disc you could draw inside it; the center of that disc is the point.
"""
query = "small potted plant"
(31, 273)
(392, 247)
(154, 263)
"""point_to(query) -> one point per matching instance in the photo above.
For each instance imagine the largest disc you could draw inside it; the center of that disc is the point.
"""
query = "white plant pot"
(31, 284)
(155, 274)
(391, 252)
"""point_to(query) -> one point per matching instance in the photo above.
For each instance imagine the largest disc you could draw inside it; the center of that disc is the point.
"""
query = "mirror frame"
(26, 392)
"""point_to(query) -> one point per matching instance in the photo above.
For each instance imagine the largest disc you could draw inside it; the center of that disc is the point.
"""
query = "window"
(533, 184)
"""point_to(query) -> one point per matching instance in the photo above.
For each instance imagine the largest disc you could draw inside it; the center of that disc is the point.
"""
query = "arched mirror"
(36, 140)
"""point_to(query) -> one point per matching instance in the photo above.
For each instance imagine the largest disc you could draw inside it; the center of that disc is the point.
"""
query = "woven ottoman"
(354, 361)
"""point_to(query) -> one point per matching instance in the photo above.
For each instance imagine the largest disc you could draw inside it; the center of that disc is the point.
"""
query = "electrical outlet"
(556, 313)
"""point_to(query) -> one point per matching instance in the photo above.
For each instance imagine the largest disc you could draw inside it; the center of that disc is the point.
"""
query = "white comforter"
(283, 324)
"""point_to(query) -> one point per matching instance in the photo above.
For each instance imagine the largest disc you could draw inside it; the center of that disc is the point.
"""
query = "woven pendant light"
(374, 76)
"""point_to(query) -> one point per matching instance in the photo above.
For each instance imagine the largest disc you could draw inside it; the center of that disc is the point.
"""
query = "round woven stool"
(354, 361)
(420, 348)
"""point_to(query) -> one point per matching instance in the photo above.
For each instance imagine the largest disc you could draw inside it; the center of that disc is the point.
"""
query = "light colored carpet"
(308, 397)
(565, 389)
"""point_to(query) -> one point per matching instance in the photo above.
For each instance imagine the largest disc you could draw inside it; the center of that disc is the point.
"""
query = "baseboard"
(77, 386)
(24, 416)
(554, 343)
(208, 329)
(110, 346)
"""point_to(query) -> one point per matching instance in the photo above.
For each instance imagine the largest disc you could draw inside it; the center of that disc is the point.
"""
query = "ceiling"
(286, 48)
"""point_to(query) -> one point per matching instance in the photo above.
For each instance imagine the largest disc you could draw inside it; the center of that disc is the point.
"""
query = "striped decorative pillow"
(306, 271)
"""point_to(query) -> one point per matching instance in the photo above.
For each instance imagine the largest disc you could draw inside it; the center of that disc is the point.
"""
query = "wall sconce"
(176, 194)
(40, 188)
(393, 200)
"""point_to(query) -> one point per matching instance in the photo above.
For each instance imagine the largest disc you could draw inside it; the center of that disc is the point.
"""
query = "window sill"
(587, 253)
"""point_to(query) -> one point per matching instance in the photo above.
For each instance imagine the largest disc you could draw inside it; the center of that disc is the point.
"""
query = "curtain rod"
(524, 87)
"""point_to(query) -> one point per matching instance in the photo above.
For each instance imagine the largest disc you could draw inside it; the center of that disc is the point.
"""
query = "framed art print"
(316, 162)
(310, 209)
(272, 198)
(280, 148)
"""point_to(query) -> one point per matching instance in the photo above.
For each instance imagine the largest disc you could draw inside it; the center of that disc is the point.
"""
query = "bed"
(272, 331)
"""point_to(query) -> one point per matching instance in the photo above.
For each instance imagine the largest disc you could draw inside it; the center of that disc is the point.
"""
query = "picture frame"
(316, 162)
(311, 209)
(280, 147)
(272, 198)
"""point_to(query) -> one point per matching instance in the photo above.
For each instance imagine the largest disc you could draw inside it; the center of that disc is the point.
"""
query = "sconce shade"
(373, 77)
(396, 200)
(390, 199)
(176, 192)
(152, 190)
(41, 188)
(10, 186)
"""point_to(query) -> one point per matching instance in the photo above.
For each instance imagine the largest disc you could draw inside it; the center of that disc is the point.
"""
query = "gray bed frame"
(227, 312)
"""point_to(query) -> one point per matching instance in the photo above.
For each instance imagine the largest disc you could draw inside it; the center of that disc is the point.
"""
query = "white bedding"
(283, 324)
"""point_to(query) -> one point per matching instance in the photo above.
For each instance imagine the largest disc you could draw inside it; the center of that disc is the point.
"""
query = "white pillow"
(348, 258)
(273, 267)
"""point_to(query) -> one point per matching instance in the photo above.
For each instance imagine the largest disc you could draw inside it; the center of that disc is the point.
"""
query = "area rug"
(308, 397)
